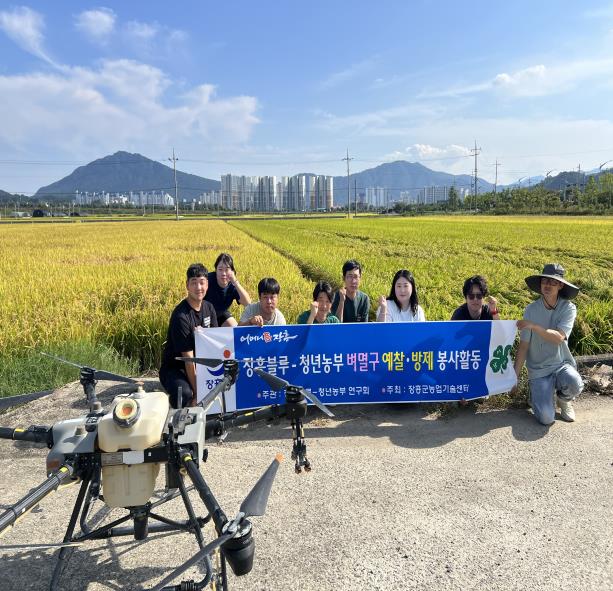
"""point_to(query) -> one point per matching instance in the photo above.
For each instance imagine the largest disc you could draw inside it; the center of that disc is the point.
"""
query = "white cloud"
(603, 12)
(538, 80)
(353, 71)
(148, 39)
(97, 24)
(383, 121)
(25, 27)
(525, 146)
(143, 31)
(426, 152)
(83, 112)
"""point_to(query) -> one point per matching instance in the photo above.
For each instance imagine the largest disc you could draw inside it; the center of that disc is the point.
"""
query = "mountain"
(124, 172)
(565, 179)
(4, 196)
(402, 176)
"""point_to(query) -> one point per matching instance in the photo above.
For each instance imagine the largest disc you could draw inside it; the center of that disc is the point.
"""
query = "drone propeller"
(255, 502)
(99, 373)
(277, 383)
(209, 362)
(254, 505)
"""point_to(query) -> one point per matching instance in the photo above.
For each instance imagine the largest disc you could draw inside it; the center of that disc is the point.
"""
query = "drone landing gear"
(140, 516)
(299, 448)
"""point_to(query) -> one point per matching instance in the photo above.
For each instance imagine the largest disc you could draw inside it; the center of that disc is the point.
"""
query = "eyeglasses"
(472, 296)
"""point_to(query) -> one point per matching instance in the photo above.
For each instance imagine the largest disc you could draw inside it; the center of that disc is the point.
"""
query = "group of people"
(543, 347)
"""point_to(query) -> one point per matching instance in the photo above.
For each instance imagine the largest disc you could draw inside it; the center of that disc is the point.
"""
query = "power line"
(348, 185)
(174, 168)
(475, 152)
(497, 164)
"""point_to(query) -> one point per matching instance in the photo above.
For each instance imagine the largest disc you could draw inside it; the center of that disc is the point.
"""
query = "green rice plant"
(443, 251)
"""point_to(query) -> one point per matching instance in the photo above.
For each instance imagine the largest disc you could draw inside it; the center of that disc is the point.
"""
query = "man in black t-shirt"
(475, 291)
(193, 311)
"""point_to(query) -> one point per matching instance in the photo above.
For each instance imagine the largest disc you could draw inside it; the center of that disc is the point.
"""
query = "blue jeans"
(565, 380)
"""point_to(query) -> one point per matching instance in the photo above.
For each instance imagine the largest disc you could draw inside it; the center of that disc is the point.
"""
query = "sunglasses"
(472, 296)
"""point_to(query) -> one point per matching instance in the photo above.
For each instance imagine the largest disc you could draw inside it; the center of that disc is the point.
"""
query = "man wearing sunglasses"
(543, 345)
(475, 291)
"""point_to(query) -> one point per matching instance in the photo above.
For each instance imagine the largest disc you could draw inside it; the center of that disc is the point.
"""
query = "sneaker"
(567, 412)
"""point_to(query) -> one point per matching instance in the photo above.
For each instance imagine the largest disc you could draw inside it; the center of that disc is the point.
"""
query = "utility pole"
(348, 185)
(496, 164)
(355, 195)
(475, 152)
(174, 168)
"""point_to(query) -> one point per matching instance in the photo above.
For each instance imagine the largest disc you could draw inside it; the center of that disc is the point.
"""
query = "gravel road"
(397, 499)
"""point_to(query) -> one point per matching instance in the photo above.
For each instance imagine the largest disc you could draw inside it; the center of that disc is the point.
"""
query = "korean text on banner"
(364, 363)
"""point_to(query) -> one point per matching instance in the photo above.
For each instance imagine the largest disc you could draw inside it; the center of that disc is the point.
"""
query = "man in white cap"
(543, 345)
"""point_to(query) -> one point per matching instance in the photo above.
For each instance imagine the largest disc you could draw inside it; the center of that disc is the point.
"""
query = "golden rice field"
(443, 251)
(115, 284)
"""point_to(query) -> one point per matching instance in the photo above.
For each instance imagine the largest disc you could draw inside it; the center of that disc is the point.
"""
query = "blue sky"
(286, 87)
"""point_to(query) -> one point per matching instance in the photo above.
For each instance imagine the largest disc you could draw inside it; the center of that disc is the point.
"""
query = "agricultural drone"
(116, 455)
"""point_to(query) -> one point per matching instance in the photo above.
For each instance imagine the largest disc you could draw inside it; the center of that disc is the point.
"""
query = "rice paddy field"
(103, 292)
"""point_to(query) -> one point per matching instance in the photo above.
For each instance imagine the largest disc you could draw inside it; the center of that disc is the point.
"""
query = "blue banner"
(364, 363)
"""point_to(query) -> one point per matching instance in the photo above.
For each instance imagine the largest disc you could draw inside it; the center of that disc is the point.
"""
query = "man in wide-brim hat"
(543, 346)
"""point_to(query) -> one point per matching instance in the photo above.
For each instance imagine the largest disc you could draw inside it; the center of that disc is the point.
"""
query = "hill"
(402, 176)
(124, 172)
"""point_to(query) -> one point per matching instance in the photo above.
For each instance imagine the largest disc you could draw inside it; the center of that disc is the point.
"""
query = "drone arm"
(215, 427)
(209, 500)
(35, 496)
(34, 433)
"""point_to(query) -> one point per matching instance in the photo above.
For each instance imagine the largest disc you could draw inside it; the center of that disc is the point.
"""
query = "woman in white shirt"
(401, 305)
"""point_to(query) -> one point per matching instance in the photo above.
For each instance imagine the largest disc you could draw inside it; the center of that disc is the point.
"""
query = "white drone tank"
(135, 423)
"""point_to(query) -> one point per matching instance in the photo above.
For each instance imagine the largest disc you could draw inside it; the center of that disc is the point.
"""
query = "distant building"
(432, 195)
(376, 197)
(322, 198)
(272, 193)
(295, 198)
(140, 199)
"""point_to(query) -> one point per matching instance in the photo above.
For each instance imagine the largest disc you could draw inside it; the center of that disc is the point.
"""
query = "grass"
(33, 372)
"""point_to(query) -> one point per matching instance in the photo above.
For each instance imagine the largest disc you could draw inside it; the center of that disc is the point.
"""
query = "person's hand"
(193, 401)
(314, 308)
(256, 321)
(522, 324)
(383, 303)
(231, 276)
(342, 292)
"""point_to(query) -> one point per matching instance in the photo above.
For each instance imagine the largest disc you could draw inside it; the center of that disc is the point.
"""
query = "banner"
(363, 363)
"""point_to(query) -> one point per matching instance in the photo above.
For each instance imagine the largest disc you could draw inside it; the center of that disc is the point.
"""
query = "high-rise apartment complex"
(271, 193)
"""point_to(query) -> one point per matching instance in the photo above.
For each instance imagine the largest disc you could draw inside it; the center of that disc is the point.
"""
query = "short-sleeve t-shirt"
(355, 310)
(221, 297)
(180, 338)
(395, 314)
(256, 310)
(462, 313)
(330, 319)
(543, 357)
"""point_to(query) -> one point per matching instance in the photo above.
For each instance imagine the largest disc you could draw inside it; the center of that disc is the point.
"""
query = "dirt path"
(396, 500)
